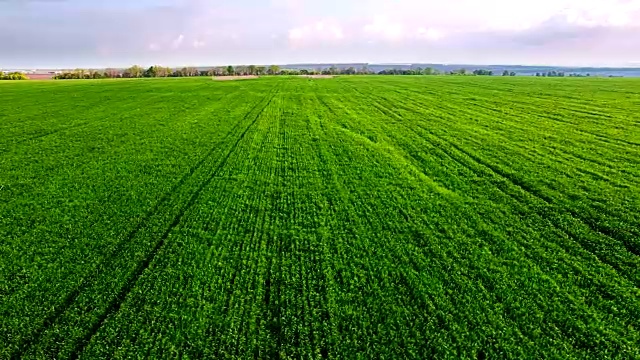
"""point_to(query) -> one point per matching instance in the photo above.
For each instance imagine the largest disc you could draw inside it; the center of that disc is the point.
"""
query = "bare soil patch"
(244, 77)
(40, 76)
(318, 76)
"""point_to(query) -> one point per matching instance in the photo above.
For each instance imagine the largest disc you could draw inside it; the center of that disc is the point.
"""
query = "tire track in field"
(630, 246)
(82, 124)
(542, 214)
(116, 250)
(618, 142)
(369, 218)
(116, 303)
(525, 206)
(533, 110)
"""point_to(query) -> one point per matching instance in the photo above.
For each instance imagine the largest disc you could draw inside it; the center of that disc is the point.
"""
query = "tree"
(261, 70)
(150, 72)
(157, 71)
(13, 76)
(273, 70)
(134, 72)
(482, 72)
(458, 72)
(513, 73)
(192, 71)
(111, 73)
(230, 70)
(94, 74)
(252, 70)
(505, 73)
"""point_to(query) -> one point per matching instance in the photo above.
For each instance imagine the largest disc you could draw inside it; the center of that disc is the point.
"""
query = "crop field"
(354, 217)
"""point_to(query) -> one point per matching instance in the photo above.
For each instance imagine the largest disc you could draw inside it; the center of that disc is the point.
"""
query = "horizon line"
(627, 66)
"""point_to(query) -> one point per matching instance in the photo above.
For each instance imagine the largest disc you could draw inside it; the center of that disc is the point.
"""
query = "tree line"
(249, 70)
(561, 74)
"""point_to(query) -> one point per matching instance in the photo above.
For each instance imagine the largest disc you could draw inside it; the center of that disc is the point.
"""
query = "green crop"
(355, 217)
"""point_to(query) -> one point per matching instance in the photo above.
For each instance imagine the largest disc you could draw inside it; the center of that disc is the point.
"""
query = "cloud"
(177, 32)
(429, 34)
(383, 27)
(318, 31)
(177, 41)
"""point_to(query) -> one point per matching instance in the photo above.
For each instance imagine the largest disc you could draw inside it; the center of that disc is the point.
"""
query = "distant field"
(355, 217)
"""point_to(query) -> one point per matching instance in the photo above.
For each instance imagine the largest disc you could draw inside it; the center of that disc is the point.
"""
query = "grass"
(356, 217)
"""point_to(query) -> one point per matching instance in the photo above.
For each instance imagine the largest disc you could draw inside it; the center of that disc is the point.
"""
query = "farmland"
(355, 217)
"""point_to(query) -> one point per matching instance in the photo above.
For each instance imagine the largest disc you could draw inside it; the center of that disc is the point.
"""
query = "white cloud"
(231, 31)
(318, 31)
(383, 27)
(429, 34)
(614, 13)
(177, 41)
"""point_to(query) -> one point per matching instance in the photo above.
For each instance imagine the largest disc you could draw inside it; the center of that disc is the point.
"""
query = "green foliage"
(482, 72)
(13, 76)
(362, 217)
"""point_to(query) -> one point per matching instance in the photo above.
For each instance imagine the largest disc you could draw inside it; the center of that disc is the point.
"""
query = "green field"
(356, 217)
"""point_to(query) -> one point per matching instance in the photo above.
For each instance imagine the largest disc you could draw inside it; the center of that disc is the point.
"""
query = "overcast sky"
(80, 33)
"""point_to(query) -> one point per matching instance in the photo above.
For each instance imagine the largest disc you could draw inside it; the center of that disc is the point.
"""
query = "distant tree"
(261, 70)
(230, 70)
(193, 71)
(513, 73)
(458, 72)
(252, 70)
(505, 73)
(111, 73)
(150, 72)
(538, 74)
(13, 76)
(135, 71)
(273, 70)
(158, 71)
(428, 71)
(95, 74)
(482, 72)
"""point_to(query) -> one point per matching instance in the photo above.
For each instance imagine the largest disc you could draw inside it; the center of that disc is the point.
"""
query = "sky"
(118, 33)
